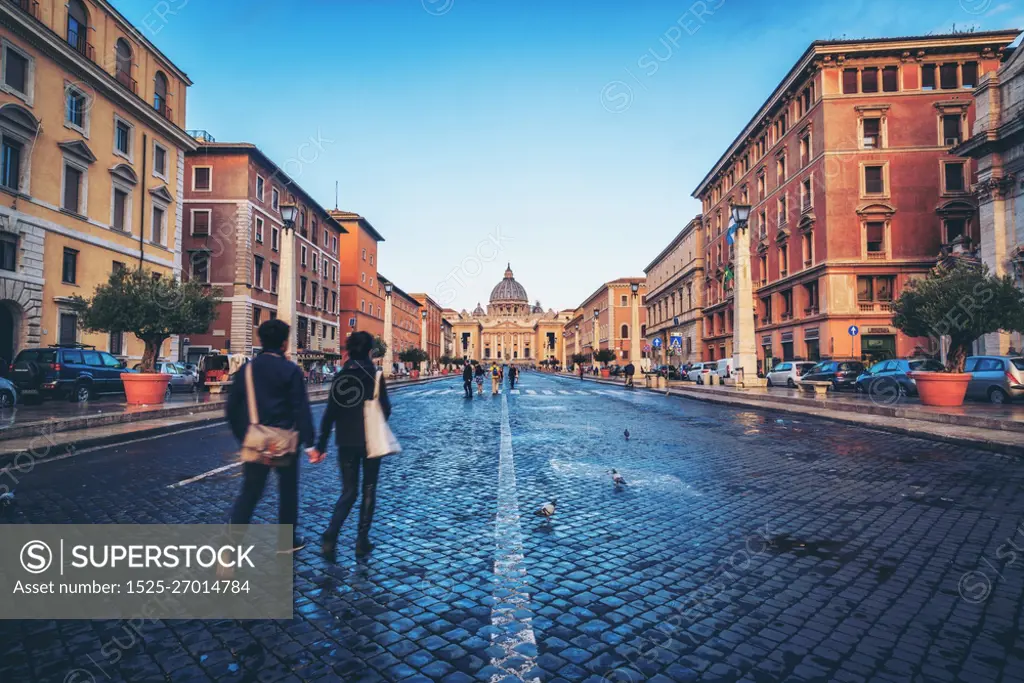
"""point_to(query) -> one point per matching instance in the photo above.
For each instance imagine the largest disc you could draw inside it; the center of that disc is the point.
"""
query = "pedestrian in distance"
(513, 375)
(495, 379)
(581, 372)
(353, 386)
(478, 373)
(280, 401)
(467, 380)
(629, 371)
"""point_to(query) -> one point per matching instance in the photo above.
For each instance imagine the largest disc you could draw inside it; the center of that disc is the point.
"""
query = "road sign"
(647, 348)
(675, 320)
(854, 330)
(676, 342)
(656, 342)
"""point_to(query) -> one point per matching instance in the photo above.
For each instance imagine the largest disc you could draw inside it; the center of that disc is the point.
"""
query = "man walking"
(495, 379)
(467, 380)
(513, 375)
(629, 371)
(281, 402)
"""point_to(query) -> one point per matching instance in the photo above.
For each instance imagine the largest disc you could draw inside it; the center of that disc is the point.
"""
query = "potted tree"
(577, 359)
(605, 356)
(153, 308)
(415, 357)
(963, 302)
(445, 361)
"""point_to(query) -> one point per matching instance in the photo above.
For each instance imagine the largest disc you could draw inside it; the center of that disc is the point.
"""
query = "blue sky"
(563, 137)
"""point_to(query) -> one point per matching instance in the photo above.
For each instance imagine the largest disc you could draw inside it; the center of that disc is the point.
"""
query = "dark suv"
(74, 372)
(843, 374)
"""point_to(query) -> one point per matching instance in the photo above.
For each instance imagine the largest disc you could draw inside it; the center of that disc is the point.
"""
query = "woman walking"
(350, 389)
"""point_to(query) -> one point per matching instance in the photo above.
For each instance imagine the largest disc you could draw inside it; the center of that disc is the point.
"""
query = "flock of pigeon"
(547, 510)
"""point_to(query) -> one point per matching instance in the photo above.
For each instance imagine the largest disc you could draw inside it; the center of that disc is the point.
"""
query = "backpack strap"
(250, 395)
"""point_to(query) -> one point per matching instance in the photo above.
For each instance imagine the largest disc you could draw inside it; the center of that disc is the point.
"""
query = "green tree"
(150, 306)
(963, 302)
(578, 359)
(604, 356)
(380, 348)
(413, 355)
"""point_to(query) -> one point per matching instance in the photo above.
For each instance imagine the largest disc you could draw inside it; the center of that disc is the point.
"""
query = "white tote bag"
(380, 441)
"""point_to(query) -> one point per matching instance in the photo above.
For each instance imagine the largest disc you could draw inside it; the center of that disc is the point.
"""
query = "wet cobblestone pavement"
(744, 546)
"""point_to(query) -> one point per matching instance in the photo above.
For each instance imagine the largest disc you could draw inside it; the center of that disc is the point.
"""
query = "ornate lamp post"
(286, 307)
(635, 351)
(593, 354)
(744, 347)
(389, 337)
(424, 365)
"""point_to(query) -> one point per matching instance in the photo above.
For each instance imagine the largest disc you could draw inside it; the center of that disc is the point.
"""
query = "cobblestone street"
(744, 546)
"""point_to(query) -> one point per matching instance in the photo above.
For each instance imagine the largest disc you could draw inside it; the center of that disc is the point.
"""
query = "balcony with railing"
(125, 79)
(787, 315)
(811, 310)
(876, 255)
(81, 45)
(160, 105)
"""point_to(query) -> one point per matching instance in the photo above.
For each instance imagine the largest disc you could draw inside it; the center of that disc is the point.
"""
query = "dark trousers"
(350, 461)
(254, 479)
(467, 386)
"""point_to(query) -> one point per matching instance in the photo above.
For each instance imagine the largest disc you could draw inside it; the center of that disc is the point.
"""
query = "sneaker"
(298, 543)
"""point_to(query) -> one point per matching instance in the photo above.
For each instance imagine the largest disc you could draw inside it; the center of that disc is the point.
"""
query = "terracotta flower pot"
(145, 388)
(415, 374)
(941, 388)
(606, 373)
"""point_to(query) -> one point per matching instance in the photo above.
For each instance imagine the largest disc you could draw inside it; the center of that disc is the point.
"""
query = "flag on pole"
(730, 233)
(727, 278)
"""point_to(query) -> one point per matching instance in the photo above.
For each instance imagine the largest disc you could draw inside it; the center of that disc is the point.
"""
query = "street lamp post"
(424, 365)
(744, 346)
(286, 307)
(593, 352)
(389, 337)
(635, 352)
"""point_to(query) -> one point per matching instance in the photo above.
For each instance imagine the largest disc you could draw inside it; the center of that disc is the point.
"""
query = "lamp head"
(288, 213)
(740, 213)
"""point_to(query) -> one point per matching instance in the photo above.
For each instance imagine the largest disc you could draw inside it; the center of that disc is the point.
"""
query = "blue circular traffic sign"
(656, 342)
(854, 330)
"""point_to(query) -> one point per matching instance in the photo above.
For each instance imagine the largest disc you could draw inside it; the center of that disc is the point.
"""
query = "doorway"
(8, 332)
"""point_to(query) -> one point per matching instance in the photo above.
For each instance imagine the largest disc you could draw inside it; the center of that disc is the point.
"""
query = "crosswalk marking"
(563, 392)
(585, 393)
(532, 392)
(514, 392)
(547, 392)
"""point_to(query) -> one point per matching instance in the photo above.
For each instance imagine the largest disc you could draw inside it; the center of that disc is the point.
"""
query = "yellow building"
(510, 330)
(91, 165)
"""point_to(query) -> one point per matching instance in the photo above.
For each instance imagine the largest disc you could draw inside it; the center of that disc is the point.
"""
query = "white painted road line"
(204, 475)
(566, 393)
(510, 613)
(514, 392)
(547, 392)
(531, 392)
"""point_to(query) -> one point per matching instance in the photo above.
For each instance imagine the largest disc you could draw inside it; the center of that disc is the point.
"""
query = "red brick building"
(361, 293)
(231, 231)
(434, 316)
(405, 320)
(854, 191)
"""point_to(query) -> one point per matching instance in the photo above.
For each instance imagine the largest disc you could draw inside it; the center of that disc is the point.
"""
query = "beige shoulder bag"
(267, 445)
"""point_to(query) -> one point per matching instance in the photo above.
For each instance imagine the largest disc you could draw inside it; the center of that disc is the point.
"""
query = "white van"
(723, 368)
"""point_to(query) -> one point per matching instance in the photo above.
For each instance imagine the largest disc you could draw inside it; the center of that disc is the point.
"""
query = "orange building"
(232, 236)
(361, 291)
(611, 328)
(854, 191)
(433, 325)
(406, 320)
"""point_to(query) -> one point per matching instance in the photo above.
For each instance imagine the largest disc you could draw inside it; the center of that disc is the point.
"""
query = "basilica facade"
(510, 330)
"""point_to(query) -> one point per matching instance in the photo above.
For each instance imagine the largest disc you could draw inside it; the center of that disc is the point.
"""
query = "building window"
(891, 79)
(122, 138)
(969, 74)
(10, 173)
(159, 161)
(8, 252)
(884, 286)
(260, 183)
(121, 212)
(201, 221)
(807, 246)
(869, 79)
(760, 186)
(76, 106)
(364, 277)
(364, 254)
(928, 77)
(313, 291)
(257, 316)
(878, 288)
(123, 64)
(624, 301)
(865, 289)
(953, 228)
(274, 275)
(849, 81)
(200, 266)
(951, 131)
(953, 176)
(806, 194)
(68, 332)
(158, 228)
(316, 262)
(624, 332)
(74, 177)
(362, 305)
(304, 256)
(160, 95)
(69, 268)
(872, 135)
(874, 180)
(275, 199)
(783, 260)
(302, 289)
(875, 237)
(202, 178)
(324, 271)
(18, 70)
(783, 210)
(948, 76)
(257, 272)
(780, 168)
(805, 150)
(116, 343)
(258, 230)
(334, 244)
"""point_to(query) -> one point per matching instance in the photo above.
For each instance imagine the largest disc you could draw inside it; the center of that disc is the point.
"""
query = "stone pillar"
(744, 343)
(998, 239)
(636, 351)
(389, 337)
(423, 342)
(286, 307)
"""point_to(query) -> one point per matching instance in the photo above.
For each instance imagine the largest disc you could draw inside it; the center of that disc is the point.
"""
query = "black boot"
(329, 548)
(369, 502)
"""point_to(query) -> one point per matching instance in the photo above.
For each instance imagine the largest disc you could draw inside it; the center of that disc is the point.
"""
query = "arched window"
(160, 93)
(625, 331)
(78, 26)
(123, 54)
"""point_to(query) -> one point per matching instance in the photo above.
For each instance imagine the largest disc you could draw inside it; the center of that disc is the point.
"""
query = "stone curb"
(821, 409)
(216, 407)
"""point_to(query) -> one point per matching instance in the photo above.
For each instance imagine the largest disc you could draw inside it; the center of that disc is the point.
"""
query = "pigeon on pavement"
(547, 510)
(618, 479)
(626, 434)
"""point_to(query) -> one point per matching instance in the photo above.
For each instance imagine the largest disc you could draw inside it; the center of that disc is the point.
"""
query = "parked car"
(77, 373)
(843, 373)
(787, 374)
(696, 372)
(722, 368)
(892, 375)
(615, 370)
(998, 379)
(181, 380)
(8, 394)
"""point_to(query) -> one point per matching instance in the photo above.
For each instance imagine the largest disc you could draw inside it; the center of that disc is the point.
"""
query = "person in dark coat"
(467, 380)
(350, 389)
(513, 375)
(281, 401)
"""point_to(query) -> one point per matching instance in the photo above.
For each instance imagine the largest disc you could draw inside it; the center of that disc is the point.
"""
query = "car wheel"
(770, 383)
(83, 392)
(195, 388)
(168, 392)
(997, 395)
(6, 399)
(790, 383)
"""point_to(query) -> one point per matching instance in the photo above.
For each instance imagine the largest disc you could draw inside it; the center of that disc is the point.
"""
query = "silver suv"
(998, 379)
